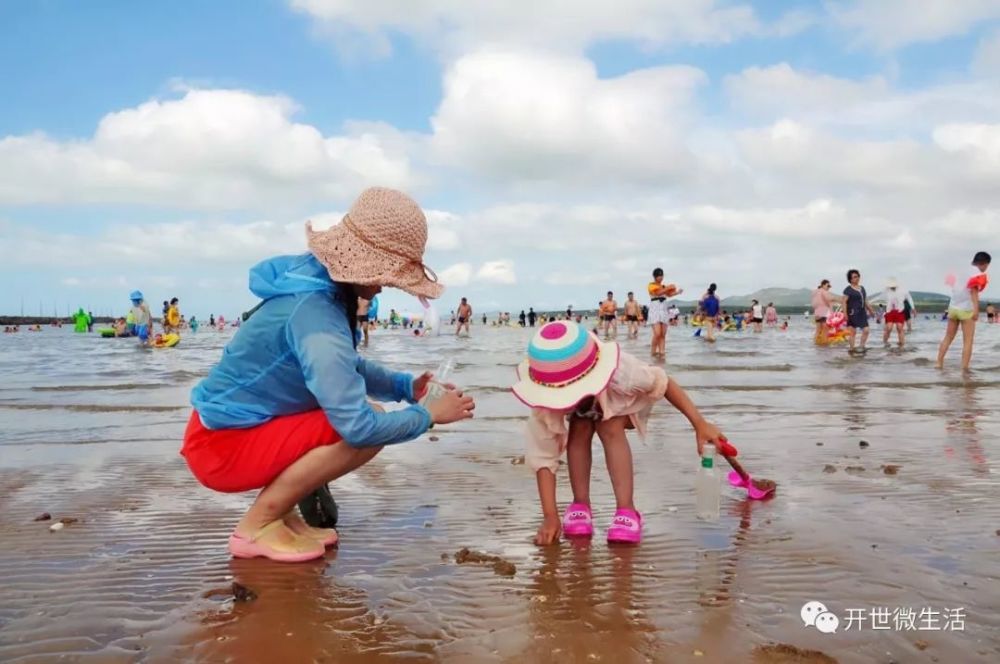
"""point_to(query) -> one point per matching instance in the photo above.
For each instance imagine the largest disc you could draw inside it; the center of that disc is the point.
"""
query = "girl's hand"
(706, 432)
(420, 384)
(548, 533)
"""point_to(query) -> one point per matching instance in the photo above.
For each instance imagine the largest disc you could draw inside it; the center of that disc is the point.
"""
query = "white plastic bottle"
(436, 387)
(707, 487)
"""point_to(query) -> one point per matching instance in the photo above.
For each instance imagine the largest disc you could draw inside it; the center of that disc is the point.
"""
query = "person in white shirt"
(757, 317)
(963, 309)
(895, 311)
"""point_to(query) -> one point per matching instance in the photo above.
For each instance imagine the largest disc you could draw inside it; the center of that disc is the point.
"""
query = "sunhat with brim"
(380, 241)
(565, 364)
(892, 283)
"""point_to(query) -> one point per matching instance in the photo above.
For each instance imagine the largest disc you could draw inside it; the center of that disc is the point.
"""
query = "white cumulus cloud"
(208, 148)
(458, 274)
(458, 25)
(888, 24)
(530, 116)
(497, 272)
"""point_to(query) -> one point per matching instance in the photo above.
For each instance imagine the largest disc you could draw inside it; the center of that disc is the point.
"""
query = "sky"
(560, 148)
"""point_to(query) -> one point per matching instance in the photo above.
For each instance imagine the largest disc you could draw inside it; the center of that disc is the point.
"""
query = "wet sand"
(144, 575)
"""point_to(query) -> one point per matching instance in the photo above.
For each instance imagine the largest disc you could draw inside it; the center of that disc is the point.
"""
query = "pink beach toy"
(740, 478)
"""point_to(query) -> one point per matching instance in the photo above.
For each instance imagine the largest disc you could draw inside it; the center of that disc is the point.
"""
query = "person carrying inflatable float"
(829, 323)
(286, 410)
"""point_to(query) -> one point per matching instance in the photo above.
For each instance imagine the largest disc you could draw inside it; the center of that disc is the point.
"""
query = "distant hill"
(781, 297)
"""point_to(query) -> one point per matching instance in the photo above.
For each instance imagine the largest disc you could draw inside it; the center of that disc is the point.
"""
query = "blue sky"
(169, 146)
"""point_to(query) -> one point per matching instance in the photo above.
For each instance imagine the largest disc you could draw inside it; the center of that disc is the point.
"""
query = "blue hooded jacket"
(296, 353)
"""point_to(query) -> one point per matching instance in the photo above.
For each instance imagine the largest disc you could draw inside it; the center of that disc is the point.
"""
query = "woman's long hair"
(350, 300)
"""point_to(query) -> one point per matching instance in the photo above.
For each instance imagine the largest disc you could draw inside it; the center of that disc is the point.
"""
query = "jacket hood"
(287, 275)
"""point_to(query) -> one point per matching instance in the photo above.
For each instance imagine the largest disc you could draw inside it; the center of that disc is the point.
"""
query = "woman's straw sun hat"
(380, 241)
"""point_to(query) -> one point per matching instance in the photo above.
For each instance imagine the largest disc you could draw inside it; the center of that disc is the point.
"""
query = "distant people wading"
(771, 315)
(710, 308)
(658, 315)
(362, 318)
(858, 309)
(757, 316)
(896, 299)
(609, 316)
(822, 304)
(465, 317)
(632, 315)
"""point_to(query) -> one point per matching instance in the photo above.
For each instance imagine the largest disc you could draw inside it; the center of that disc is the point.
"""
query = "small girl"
(577, 386)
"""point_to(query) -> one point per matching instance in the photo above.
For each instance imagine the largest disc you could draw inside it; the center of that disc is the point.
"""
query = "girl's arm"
(551, 527)
(544, 447)
(975, 303)
(704, 431)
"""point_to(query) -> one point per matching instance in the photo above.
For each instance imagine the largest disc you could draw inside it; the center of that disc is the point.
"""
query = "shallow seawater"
(90, 429)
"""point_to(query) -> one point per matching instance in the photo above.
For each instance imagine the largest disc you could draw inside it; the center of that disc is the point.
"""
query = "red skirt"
(895, 317)
(236, 460)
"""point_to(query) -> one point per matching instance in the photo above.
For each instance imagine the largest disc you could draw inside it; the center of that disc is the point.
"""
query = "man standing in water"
(609, 316)
(464, 317)
(632, 313)
(532, 316)
(362, 318)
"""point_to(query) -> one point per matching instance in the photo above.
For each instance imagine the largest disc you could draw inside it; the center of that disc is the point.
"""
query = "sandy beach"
(910, 519)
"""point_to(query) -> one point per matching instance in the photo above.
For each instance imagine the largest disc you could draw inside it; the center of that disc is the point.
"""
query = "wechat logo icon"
(815, 614)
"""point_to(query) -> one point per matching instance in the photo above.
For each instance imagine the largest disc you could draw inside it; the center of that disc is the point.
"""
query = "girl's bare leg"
(949, 336)
(618, 455)
(968, 336)
(580, 458)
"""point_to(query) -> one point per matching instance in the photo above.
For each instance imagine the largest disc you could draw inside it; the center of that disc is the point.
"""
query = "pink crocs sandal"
(626, 527)
(243, 547)
(578, 521)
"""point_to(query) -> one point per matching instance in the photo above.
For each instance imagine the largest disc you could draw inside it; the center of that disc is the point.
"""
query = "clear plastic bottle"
(436, 387)
(707, 487)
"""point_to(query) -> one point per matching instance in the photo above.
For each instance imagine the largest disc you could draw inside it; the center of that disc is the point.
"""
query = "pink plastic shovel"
(756, 490)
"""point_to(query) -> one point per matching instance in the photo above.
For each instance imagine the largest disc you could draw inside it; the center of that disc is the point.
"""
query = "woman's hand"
(420, 384)
(706, 432)
(549, 531)
(452, 406)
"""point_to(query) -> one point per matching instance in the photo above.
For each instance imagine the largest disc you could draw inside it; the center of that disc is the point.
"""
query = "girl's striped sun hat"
(565, 364)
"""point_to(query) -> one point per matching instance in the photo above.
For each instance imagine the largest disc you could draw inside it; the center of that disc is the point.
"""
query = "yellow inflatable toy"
(166, 340)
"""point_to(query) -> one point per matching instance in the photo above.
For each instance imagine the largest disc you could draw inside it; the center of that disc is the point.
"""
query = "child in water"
(963, 308)
(577, 386)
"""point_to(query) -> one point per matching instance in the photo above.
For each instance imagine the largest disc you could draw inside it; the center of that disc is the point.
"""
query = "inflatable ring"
(166, 340)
